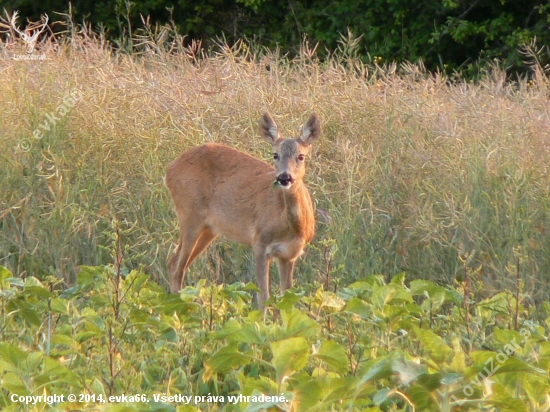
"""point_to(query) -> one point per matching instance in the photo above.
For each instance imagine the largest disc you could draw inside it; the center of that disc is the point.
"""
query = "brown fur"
(218, 190)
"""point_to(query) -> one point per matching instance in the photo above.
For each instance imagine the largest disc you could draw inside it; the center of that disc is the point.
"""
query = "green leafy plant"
(389, 346)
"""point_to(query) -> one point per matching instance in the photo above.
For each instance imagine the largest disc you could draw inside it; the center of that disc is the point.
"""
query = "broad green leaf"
(414, 309)
(90, 276)
(505, 401)
(251, 287)
(97, 387)
(431, 290)
(383, 295)
(536, 387)
(12, 354)
(358, 307)
(380, 370)
(398, 279)
(225, 360)
(238, 297)
(296, 323)
(422, 397)
(56, 374)
(434, 301)
(288, 300)
(7, 293)
(83, 336)
(63, 340)
(190, 293)
(60, 305)
(94, 322)
(33, 361)
(330, 300)
(375, 281)
(431, 381)
(99, 301)
(18, 282)
(5, 273)
(361, 288)
(307, 395)
(508, 337)
(289, 355)
(340, 388)
(229, 327)
(233, 331)
(418, 286)
(392, 313)
(70, 292)
(139, 317)
(27, 311)
(136, 280)
(389, 294)
(14, 384)
(249, 333)
(438, 350)
(458, 364)
(167, 332)
(436, 295)
(499, 304)
(35, 288)
(174, 304)
(492, 363)
(255, 316)
(454, 296)
(333, 355)
(262, 383)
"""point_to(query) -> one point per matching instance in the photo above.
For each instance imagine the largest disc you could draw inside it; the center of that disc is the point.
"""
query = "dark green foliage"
(445, 34)
(120, 342)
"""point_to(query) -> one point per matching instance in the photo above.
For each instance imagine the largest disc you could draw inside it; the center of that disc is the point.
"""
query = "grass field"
(426, 290)
(421, 174)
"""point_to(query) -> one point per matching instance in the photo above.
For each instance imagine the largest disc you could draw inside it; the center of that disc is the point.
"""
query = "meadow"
(433, 186)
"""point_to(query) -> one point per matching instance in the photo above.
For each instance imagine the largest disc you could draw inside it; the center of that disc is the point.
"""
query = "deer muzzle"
(285, 180)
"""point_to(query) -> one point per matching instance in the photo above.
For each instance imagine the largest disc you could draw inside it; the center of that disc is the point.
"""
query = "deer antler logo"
(30, 34)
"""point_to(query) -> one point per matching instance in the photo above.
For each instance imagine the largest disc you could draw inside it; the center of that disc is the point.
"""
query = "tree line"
(446, 35)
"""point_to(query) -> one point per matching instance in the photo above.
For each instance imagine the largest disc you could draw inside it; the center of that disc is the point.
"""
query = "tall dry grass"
(420, 174)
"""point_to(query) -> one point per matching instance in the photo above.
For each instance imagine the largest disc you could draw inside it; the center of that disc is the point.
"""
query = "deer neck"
(299, 210)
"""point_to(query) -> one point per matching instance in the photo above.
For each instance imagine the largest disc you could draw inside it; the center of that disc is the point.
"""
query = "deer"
(218, 190)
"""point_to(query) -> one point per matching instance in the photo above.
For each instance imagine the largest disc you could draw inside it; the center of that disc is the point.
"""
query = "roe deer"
(218, 190)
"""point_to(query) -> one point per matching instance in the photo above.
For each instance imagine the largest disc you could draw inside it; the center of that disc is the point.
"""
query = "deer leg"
(180, 261)
(286, 267)
(262, 274)
(174, 260)
(204, 240)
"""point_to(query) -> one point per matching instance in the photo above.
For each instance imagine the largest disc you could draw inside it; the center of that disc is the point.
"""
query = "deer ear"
(269, 129)
(311, 130)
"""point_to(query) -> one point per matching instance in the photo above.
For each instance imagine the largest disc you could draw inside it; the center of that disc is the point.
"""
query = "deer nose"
(284, 179)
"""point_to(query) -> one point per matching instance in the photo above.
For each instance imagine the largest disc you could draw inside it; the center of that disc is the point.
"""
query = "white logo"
(30, 34)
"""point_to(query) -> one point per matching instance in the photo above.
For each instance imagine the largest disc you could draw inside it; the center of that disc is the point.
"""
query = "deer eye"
(301, 157)
(275, 156)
